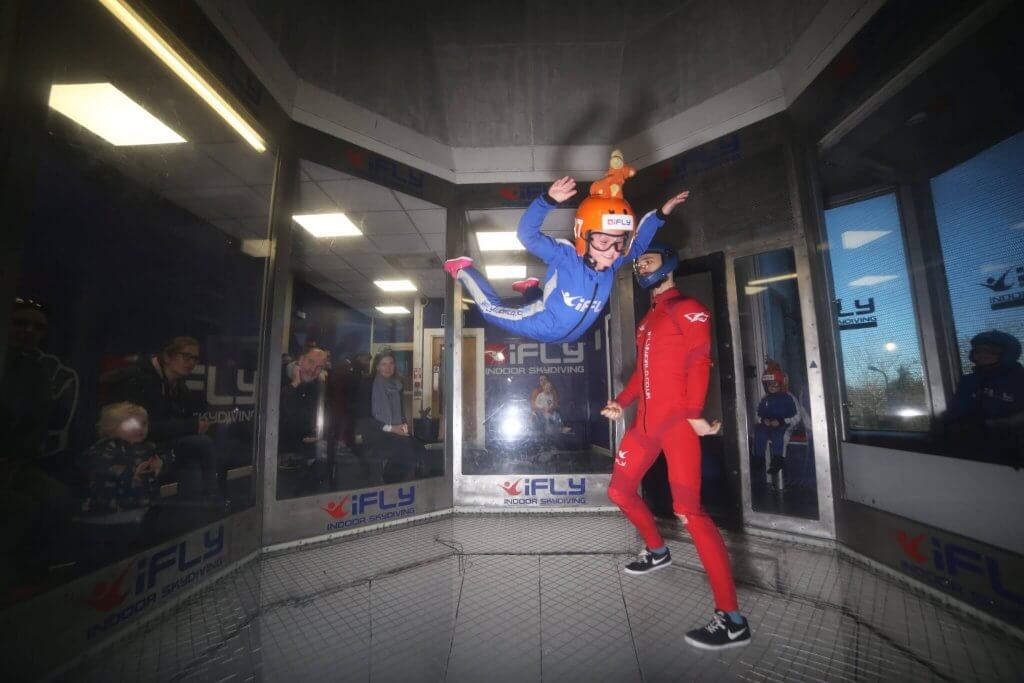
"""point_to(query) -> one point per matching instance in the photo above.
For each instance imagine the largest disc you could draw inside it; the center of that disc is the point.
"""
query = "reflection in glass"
(529, 407)
(366, 264)
(127, 400)
(782, 474)
(884, 378)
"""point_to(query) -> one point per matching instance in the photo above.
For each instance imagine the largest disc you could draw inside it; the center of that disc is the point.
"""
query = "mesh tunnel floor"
(543, 598)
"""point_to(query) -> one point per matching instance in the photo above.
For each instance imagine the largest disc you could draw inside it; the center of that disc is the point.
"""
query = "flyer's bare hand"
(674, 202)
(562, 189)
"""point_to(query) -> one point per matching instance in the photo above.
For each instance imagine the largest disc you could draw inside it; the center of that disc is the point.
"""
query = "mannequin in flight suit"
(670, 382)
(580, 276)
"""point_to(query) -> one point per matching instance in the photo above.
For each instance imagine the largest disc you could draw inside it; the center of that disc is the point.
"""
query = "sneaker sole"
(633, 572)
(727, 646)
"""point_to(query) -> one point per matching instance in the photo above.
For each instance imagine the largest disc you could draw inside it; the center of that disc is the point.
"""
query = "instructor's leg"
(636, 455)
(682, 452)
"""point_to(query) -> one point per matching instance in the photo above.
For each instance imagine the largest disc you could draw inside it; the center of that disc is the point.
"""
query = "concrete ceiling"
(496, 91)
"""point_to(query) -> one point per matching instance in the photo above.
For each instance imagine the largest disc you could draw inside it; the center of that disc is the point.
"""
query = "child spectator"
(779, 411)
(122, 471)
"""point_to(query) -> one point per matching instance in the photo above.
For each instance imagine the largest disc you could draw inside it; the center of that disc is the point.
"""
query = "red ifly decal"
(107, 597)
(336, 510)
(496, 354)
(511, 489)
(509, 193)
(910, 546)
(356, 158)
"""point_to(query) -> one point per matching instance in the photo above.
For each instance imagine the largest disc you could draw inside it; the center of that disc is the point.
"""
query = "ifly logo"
(546, 485)
(380, 500)
(696, 317)
(616, 222)
(106, 597)
(385, 169)
(578, 303)
(337, 509)
(157, 575)
(946, 564)
(522, 193)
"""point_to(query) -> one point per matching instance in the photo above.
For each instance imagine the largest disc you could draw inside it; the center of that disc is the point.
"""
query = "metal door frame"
(825, 525)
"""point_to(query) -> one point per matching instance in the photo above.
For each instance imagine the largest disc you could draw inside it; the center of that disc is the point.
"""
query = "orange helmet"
(601, 214)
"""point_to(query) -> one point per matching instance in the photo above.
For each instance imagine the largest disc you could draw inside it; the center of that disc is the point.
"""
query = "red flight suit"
(673, 345)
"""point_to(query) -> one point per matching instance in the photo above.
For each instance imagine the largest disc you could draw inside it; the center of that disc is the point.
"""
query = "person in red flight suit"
(670, 382)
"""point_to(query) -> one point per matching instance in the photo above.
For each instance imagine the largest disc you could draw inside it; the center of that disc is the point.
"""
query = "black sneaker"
(649, 562)
(720, 634)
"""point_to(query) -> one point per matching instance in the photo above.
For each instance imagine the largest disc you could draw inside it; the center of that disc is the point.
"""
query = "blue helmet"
(669, 262)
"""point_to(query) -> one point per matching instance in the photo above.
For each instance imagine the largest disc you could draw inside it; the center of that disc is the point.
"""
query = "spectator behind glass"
(986, 416)
(25, 400)
(382, 422)
(122, 473)
(158, 384)
(299, 431)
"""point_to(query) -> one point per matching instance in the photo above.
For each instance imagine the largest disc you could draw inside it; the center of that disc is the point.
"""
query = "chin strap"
(589, 261)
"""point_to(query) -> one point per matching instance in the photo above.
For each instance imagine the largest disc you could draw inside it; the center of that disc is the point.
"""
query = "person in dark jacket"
(158, 384)
(986, 416)
(382, 422)
(300, 429)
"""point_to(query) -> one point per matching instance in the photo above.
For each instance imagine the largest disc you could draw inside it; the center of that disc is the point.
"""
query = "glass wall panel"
(364, 319)
(884, 377)
(979, 208)
(782, 473)
(128, 394)
(529, 407)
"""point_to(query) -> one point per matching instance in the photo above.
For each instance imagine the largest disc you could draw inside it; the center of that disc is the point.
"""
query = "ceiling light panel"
(499, 241)
(395, 285)
(327, 224)
(110, 114)
(506, 272)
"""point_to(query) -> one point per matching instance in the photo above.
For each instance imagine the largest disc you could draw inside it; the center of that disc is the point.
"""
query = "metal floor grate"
(529, 598)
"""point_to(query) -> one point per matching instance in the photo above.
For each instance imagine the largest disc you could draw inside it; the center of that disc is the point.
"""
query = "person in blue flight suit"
(579, 277)
(778, 412)
(986, 416)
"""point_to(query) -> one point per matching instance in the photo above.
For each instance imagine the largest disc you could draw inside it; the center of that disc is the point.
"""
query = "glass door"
(781, 432)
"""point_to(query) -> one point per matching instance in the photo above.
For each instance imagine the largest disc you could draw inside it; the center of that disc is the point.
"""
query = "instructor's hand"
(613, 411)
(562, 189)
(674, 202)
(702, 427)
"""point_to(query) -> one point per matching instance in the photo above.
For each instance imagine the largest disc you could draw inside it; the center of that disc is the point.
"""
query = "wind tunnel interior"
(216, 310)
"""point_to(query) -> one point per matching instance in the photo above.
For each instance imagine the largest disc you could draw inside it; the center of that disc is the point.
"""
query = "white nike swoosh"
(734, 636)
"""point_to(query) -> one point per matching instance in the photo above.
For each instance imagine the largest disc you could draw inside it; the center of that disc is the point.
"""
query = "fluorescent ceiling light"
(853, 239)
(111, 114)
(499, 241)
(257, 248)
(327, 224)
(750, 291)
(869, 280)
(505, 272)
(393, 310)
(176, 63)
(910, 412)
(395, 285)
(774, 278)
